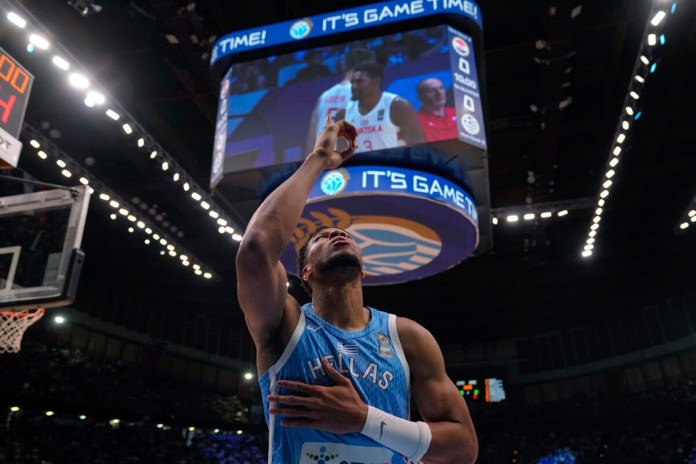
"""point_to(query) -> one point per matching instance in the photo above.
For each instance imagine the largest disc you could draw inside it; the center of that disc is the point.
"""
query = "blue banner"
(337, 22)
(393, 180)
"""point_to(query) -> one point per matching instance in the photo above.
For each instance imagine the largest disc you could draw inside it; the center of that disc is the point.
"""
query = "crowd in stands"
(657, 425)
(29, 437)
(638, 442)
(64, 378)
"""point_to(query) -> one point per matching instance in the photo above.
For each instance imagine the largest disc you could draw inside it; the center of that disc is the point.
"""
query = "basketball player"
(336, 375)
(383, 119)
(336, 97)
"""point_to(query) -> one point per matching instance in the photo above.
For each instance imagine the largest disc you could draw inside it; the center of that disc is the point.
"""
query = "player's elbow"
(470, 449)
(250, 253)
(460, 447)
(472, 453)
(466, 452)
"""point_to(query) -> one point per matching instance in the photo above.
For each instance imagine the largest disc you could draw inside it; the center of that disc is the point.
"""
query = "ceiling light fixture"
(17, 20)
(632, 96)
(131, 125)
(39, 41)
(68, 167)
(60, 63)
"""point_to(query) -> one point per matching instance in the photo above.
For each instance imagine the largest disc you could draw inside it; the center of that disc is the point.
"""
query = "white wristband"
(410, 439)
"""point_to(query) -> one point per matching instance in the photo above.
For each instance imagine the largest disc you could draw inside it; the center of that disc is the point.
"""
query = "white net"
(13, 323)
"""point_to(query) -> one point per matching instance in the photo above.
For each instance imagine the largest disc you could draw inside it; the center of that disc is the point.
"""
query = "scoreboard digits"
(489, 390)
(15, 85)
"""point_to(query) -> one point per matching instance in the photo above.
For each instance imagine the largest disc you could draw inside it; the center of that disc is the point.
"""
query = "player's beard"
(342, 262)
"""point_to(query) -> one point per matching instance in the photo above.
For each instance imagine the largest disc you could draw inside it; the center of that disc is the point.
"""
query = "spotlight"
(17, 20)
(85, 7)
(659, 16)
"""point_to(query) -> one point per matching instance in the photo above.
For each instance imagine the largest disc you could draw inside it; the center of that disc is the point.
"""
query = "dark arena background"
(548, 241)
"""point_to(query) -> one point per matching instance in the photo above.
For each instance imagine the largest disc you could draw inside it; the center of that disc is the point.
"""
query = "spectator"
(439, 122)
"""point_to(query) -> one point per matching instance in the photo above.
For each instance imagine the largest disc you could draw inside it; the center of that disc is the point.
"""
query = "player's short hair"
(358, 56)
(302, 258)
(374, 69)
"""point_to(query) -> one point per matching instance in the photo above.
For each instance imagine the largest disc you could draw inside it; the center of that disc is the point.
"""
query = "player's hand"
(337, 409)
(326, 141)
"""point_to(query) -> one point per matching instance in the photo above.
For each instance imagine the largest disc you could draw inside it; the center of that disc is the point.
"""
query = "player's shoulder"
(397, 101)
(411, 331)
(391, 96)
(419, 345)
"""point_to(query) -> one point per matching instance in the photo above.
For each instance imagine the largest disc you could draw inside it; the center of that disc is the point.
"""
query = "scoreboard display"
(15, 86)
(265, 107)
(488, 390)
(271, 76)
(415, 194)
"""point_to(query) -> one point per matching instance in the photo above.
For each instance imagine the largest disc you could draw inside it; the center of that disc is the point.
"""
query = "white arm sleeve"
(410, 439)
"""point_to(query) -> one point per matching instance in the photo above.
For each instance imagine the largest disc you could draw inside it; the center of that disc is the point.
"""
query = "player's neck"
(369, 103)
(341, 306)
(436, 111)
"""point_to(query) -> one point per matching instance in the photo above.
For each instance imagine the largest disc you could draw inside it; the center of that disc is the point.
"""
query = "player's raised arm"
(261, 277)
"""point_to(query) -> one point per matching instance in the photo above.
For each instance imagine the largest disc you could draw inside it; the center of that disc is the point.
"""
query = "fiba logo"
(301, 29)
(334, 182)
(461, 46)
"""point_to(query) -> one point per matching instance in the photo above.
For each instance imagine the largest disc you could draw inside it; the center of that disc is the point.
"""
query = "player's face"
(334, 248)
(433, 93)
(363, 85)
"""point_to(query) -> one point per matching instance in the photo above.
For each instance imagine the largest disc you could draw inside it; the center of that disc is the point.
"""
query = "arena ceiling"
(557, 76)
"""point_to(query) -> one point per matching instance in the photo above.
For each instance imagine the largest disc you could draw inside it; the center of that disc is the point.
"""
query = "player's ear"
(306, 271)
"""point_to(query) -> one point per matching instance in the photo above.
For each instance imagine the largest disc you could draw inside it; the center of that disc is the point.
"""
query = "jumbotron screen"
(270, 109)
(409, 76)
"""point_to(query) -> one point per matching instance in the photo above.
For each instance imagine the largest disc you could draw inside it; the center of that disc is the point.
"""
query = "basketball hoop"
(13, 323)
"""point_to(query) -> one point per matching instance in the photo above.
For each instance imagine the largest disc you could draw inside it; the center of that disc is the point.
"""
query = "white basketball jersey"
(334, 99)
(375, 129)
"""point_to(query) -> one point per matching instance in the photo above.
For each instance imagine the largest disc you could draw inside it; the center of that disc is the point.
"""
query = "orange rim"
(19, 314)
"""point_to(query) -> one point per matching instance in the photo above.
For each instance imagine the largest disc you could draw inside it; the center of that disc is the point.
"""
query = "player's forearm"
(433, 442)
(451, 442)
(273, 223)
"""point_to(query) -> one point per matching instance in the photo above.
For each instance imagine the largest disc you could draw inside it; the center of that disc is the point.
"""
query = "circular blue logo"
(301, 28)
(334, 182)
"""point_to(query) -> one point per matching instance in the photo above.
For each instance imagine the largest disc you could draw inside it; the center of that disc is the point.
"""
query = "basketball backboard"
(40, 256)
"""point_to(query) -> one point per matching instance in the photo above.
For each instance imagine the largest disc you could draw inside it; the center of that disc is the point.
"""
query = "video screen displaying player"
(262, 93)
